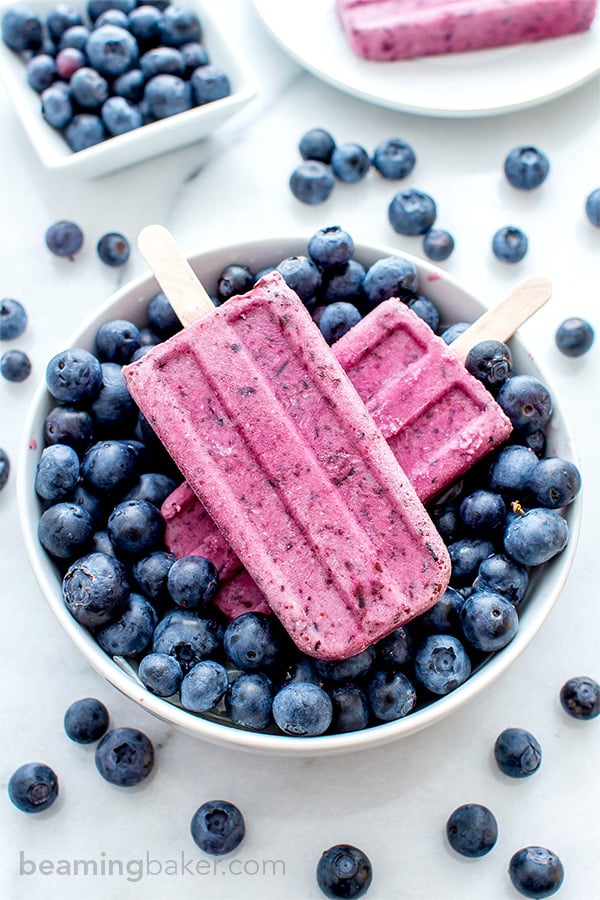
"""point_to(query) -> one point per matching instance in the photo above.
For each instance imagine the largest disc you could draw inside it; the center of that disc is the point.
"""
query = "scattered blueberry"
(152, 486)
(574, 336)
(344, 283)
(130, 85)
(162, 317)
(536, 536)
(344, 871)
(150, 573)
(113, 407)
(441, 663)
(217, 827)
(412, 212)
(96, 589)
(60, 19)
(472, 830)
(438, 244)
(311, 182)
(64, 238)
(510, 244)
(162, 61)
(68, 61)
(317, 143)
(526, 168)
(302, 709)
(580, 697)
(249, 700)
(4, 468)
(490, 362)
(95, 8)
(453, 331)
(442, 618)
(350, 162)
(33, 787)
(124, 756)
(204, 685)
(86, 720)
(592, 207)
(76, 37)
(517, 752)
(192, 582)
(466, 555)
(536, 872)
(15, 365)
(394, 158)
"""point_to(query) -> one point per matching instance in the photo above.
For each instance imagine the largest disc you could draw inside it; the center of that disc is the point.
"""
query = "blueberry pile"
(103, 475)
(120, 66)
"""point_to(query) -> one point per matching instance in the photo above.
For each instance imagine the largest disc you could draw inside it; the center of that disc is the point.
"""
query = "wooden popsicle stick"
(174, 274)
(501, 321)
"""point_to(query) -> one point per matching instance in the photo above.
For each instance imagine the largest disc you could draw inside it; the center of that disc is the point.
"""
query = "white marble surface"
(392, 802)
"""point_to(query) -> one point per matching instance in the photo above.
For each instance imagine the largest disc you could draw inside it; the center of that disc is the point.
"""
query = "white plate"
(142, 143)
(479, 83)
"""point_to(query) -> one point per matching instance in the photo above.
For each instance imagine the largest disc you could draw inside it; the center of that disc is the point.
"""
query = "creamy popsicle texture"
(264, 424)
(404, 29)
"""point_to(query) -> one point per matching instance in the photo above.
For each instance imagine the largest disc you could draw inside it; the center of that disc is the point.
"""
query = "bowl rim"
(122, 676)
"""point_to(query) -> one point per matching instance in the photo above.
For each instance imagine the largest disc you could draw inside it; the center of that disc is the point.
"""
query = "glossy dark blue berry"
(88, 88)
(152, 486)
(194, 55)
(592, 207)
(234, 279)
(21, 29)
(472, 830)
(466, 555)
(15, 365)
(526, 168)
(490, 362)
(4, 468)
(536, 872)
(209, 83)
(56, 105)
(302, 275)
(57, 472)
(161, 674)
(330, 247)
(489, 621)
(350, 708)
(131, 633)
(394, 158)
(527, 402)
(179, 25)
(117, 341)
(517, 752)
(204, 685)
(350, 162)
(391, 695)
(41, 72)
(483, 511)
(67, 425)
(96, 589)
(344, 871)
(162, 61)
(64, 238)
(86, 720)
(110, 466)
(350, 669)
(510, 244)
(580, 697)
(453, 331)
(302, 709)
(311, 182)
(65, 530)
(252, 641)
(113, 408)
(33, 787)
(112, 50)
(441, 663)
(162, 317)
(13, 319)
(192, 582)
(136, 527)
(555, 482)
(150, 574)
(183, 634)
(344, 283)
(535, 537)
(391, 276)
(124, 756)
(438, 244)
(574, 336)
(317, 143)
(249, 700)
(501, 575)
(337, 319)
(217, 827)
(444, 616)
(511, 470)
(412, 212)
(427, 310)
(167, 95)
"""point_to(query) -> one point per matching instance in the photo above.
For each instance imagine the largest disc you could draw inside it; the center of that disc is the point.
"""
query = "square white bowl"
(143, 143)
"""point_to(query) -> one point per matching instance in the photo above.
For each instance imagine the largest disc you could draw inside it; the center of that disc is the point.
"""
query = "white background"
(392, 802)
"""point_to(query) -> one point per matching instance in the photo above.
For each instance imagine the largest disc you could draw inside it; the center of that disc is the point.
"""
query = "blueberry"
(501, 575)
(350, 708)
(489, 621)
(527, 403)
(150, 574)
(143, 23)
(119, 116)
(15, 365)
(536, 536)
(162, 317)
(162, 61)
(354, 667)
(64, 238)
(67, 425)
(112, 50)
(517, 752)
(41, 72)
(192, 582)
(113, 407)
(536, 441)
(526, 168)
(427, 310)
(509, 244)
(60, 18)
(83, 131)
(438, 244)
(483, 511)
(167, 95)
(592, 207)
(444, 616)
(33, 787)
(235, 279)
(350, 162)
(580, 697)
(117, 340)
(466, 555)
(316, 144)
(392, 276)
(74, 37)
(511, 470)
(441, 663)
(152, 486)
(88, 88)
(131, 633)
(68, 61)
(251, 641)
(194, 55)
(490, 362)
(555, 482)
(110, 466)
(394, 158)
(249, 700)
(344, 283)
(344, 871)
(536, 872)
(57, 108)
(57, 472)
(217, 827)
(96, 589)
(311, 182)
(302, 709)
(447, 520)
(330, 247)
(136, 527)
(302, 275)
(95, 8)
(179, 25)
(21, 29)
(65, 529)
(130, 85)
(472, 830)
(4, 468)
(301, 668)
(412, 212)
(189, 638)
(337, 319)
(161, 674)
(124, 756)
(204, 685)
(574, 336)
(112, 17)
(453, 331)
(209, 83)
(391, 695)
(91, 503)
(86, 720)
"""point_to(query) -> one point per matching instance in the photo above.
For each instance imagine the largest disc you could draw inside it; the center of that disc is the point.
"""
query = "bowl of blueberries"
(103, 85)
(150, 591)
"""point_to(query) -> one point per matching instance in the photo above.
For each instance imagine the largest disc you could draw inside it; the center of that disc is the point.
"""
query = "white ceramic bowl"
(547, 581)
(142, 143)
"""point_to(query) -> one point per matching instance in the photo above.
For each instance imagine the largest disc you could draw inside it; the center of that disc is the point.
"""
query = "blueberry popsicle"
(405, 29)
(266, 427)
